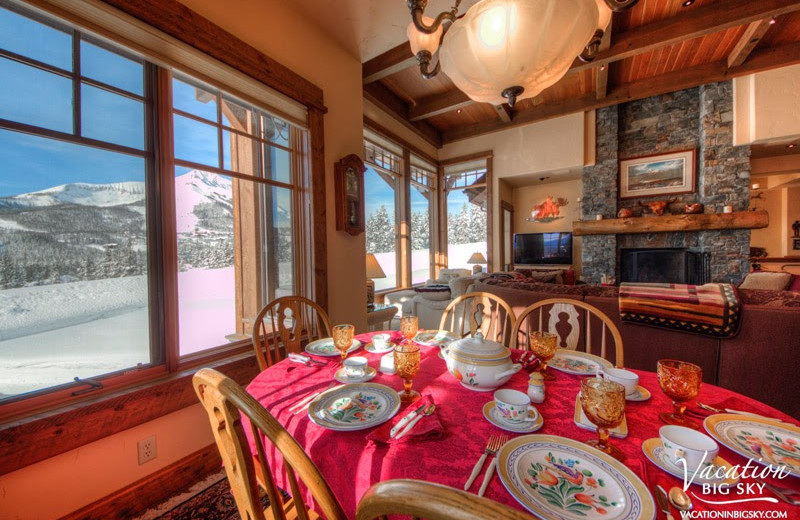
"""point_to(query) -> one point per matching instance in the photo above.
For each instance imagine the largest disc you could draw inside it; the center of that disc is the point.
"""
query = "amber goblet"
(406, 365)
(543, 346)
(603, 402)
(681, 382)
(409, 325)
(343, 338)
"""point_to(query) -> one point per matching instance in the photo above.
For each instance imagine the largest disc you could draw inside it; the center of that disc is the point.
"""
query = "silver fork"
(490, 471)
(784, 494)
(491, 447)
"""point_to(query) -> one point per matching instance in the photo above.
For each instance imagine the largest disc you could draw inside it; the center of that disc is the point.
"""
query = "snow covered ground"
(53, 333)
(458, 254)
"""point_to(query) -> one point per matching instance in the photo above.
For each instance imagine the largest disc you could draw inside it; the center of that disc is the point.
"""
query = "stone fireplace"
(698, 118)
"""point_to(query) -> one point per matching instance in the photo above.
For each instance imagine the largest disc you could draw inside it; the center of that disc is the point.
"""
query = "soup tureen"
(478, 363)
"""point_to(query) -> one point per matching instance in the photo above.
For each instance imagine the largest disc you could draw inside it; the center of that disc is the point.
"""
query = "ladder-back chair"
(578, 325)
(420, 499)
(285, 325)
(479, 311)
(226, 402)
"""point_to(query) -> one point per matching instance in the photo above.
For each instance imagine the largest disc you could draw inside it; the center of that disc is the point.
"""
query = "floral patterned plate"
(764, 441)
(325, 347)
(578, 363)
(654, 450)
(557, 478)
(492, 415)
(435, 338)
(356, 406)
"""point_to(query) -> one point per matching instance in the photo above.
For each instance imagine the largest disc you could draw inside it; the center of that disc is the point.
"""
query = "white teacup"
(381, 341)
(514, 406)
(355, 367)
(624, 377)
(698, 450)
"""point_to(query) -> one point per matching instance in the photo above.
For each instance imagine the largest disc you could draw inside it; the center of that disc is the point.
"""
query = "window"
(422, 197)
(82, 268)
(380, 208)
(465, 196)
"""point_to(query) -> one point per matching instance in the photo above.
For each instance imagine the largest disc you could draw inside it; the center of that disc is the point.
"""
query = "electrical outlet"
(147, 449)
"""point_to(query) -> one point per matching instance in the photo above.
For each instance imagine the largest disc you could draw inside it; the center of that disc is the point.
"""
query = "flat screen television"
(543, 248)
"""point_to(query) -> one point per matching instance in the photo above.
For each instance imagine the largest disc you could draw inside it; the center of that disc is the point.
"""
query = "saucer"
(342, 378)
(641, 394)
(654, 450)
(494, 417)
(372, 349)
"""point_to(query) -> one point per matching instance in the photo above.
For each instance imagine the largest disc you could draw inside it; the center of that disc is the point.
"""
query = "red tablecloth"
(351, 464)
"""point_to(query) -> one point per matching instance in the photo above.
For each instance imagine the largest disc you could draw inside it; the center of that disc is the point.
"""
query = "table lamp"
(477, 259)
(373, 271)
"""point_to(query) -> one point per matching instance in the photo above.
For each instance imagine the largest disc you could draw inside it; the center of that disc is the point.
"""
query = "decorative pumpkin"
(624, 213)
(693, 208)
(658, 206)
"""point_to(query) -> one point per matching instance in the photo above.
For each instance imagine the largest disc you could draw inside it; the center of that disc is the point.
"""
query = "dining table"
(352, 461)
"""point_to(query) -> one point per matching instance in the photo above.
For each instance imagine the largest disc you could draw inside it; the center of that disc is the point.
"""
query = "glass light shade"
(423, 42)
(605, 15)
(506, 43)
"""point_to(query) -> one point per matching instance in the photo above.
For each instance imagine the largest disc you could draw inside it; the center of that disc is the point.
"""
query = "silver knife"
(663, 502)
(404, 421)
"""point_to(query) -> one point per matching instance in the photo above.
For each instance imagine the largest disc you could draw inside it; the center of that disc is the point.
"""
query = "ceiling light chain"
(505, 50)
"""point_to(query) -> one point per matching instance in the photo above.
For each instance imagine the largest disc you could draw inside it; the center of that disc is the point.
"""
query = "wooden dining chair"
(579, 326)
(420, 499)
(479, 311)
(226, 402)
(286, 325)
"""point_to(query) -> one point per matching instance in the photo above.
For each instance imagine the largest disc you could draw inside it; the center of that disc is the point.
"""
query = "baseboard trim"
(138, 497)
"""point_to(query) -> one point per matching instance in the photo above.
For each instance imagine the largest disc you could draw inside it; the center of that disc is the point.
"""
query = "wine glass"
(343, 338)
(409, 325)
(603, 402)
(543, 346)
(406, 364)
(681, 382)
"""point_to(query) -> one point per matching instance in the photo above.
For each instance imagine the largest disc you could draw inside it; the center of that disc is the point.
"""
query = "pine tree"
(380, 232)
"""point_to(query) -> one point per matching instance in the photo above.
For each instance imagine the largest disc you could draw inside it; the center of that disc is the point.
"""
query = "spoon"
(428, 411)
(680, 499)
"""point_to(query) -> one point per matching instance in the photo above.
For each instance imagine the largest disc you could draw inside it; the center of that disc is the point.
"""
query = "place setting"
(380, 344)
(512, 410)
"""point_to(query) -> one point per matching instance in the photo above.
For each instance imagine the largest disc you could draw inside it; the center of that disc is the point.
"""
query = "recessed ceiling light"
(772, 21)
(791, 145)
(687, 3)
(602, 67)
(458, 111)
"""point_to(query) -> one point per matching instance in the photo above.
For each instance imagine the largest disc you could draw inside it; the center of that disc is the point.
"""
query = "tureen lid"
(478, 347)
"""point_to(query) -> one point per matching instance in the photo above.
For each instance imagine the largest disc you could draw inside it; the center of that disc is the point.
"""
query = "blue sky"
(378, 193)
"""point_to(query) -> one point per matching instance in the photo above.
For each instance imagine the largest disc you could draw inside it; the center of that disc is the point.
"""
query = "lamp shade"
(477, 258)
(374, 268)
(500, 44)
(423, 42)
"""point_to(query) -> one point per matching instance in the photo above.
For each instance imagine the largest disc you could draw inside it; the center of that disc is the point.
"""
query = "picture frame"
(349, 185)
(796, 243)
(657, 175)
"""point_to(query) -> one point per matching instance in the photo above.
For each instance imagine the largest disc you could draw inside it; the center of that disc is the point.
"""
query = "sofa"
(429, 301)
(760, 361)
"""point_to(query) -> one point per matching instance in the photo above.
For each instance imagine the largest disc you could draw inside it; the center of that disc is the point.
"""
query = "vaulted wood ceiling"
(658, 46)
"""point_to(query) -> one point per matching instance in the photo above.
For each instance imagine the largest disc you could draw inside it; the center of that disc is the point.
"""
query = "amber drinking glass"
(681, 382)
(406, 364)
(543, 346)
(603, 402)
(409, 325)
(343, 339)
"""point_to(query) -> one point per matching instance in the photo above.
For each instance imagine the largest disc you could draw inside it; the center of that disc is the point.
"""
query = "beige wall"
(767, 105)
(555, 146)
(400, 130)
(67, 482)
(779, 181)
(526, 197)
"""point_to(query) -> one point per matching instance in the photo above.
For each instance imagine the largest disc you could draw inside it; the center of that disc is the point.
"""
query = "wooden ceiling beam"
(504, 112)
(391, 61)
(759, 61)
(752, 35)
(390, 103)
(601, 73)
(694, 24)
(438, 104)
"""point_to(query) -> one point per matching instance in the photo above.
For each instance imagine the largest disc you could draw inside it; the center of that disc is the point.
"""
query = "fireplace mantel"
(671, 223)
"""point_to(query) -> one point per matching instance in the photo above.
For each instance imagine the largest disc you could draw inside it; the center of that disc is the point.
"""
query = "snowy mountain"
(82, 194)
(195, 188)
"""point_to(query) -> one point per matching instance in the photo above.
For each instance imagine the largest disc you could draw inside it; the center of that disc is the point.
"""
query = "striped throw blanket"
(713, 309)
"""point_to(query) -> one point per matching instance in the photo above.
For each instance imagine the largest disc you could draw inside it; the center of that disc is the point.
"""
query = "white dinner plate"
(577, 363)
(762, 440)
(356, 406)
(654, 451)
(435, 338)
(325, 347)
(557, 478)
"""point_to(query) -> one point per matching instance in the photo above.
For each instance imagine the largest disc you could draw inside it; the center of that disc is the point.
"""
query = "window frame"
(48, 404)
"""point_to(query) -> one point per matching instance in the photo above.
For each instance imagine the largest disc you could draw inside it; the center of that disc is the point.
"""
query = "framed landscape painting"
(655, 175)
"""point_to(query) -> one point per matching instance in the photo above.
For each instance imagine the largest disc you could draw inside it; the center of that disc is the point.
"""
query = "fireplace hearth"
(664, 265)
